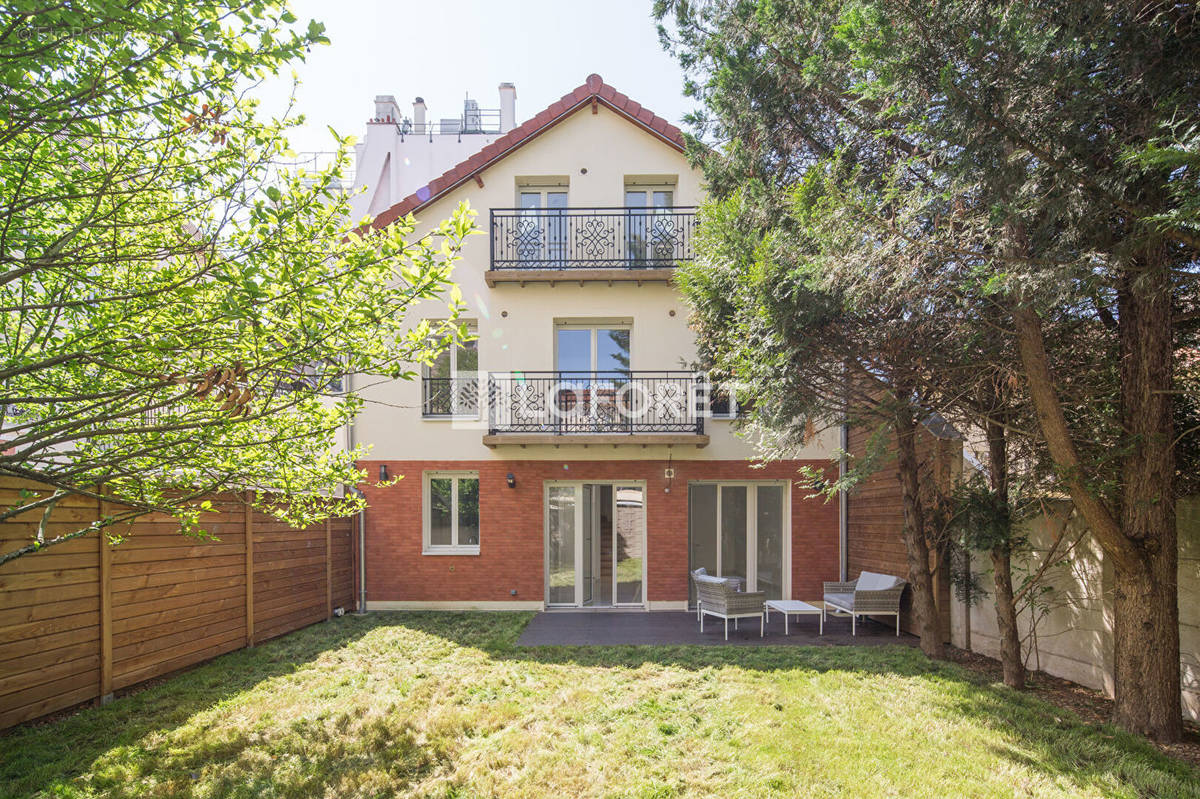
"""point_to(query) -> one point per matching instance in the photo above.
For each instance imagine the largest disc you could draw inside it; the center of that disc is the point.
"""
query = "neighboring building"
(568, 456)
(401, 154)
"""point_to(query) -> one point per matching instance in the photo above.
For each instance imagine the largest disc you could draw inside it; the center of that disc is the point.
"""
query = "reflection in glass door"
(738, 530)
(562, 506)
(595, 545)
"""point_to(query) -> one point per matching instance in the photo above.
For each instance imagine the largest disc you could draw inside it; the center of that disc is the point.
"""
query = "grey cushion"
(842, 600)
(708, 578)
(873, 581)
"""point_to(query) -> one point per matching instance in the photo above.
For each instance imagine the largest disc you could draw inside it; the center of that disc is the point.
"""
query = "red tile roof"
(594, 90)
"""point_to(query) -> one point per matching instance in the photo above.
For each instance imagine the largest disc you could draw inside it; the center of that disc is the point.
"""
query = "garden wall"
(875, 518)
(1073, 635)
(86, 619)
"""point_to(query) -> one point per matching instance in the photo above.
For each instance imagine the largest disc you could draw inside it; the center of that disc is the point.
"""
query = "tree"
(178, 313)
(803, 351)
(1036, 152)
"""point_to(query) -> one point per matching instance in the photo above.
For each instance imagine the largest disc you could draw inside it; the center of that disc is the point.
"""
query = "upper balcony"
(578, 244)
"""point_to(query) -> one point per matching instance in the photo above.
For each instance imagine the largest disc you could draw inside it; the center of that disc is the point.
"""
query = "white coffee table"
(789, 607)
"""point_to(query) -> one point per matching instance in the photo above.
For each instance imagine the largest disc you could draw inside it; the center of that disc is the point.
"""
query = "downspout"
(362, 557)
(362, 519)
(843, 504)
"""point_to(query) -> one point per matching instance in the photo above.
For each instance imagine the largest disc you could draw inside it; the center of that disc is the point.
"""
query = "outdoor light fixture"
(383, 471)
(511, 479)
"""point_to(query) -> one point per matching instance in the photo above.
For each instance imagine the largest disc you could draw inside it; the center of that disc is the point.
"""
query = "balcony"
(450, 397)
(609, 244)
(595, 408)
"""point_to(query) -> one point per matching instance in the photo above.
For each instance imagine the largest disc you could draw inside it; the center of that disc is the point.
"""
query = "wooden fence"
(84, 619)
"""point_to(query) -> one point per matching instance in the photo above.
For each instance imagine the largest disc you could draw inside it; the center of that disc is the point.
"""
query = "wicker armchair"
(871, 594)
(715, 597)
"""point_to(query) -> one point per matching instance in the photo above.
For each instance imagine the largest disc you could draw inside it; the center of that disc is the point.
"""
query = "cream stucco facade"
(593, 155)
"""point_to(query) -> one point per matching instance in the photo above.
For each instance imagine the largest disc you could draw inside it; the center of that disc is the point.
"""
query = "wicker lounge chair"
(871, 594)
(715, 597)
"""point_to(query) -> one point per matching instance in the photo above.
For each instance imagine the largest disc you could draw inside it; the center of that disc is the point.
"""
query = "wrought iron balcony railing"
(595, 402)
(591, 238)
(450, 396)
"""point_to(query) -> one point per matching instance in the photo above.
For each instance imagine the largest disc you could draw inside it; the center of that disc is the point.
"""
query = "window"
(450, 385)
(541, 233)
(651, 229)
(602, 348)
(724, 404)
(451, 504)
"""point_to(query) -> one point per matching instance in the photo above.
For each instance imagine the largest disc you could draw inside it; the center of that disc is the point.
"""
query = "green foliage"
(180, 315)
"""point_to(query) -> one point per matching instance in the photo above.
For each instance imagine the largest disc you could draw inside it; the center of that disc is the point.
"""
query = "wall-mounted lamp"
(382, 472)
(511, 479)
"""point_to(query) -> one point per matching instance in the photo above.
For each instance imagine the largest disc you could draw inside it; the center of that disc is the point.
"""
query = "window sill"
(450, 550)
(450, 417)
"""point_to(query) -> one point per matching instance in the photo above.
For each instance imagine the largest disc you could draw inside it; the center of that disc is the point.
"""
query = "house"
(569, 455)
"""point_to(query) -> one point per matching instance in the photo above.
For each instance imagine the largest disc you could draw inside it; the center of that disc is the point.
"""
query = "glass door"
(629, 522)
(562, 506)
(587, 540)
(738, 530)
(647, 224)
(542, 230)
(595, 545)
(593, 368)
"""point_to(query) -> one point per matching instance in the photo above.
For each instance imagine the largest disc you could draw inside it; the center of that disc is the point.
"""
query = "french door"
(595, 544)
(592, 362)
(646, 209)
(741, 530)
(541, 234)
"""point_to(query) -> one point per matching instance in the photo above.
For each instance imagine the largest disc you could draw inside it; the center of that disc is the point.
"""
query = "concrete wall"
(1074, 637)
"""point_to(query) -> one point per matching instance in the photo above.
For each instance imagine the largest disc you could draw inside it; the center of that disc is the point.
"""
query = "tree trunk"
(1146, 604)
(1006, 610)
(915, 545)
(1006, 619)
(1140, 541)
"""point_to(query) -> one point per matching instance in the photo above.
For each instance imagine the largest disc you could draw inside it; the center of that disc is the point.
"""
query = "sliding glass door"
(595, 545)
(739, 530)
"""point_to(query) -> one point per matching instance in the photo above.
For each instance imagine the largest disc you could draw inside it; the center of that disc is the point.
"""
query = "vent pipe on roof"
(508, 107)
(419, 115)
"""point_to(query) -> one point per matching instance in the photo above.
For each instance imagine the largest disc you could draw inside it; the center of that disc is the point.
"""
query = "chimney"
(386, 109)
(508, 107)
(419, 115)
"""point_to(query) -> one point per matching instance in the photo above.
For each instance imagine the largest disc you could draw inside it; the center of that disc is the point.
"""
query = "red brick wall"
(511, 529)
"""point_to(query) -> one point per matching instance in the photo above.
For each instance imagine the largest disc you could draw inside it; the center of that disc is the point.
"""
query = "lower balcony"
(595, 408)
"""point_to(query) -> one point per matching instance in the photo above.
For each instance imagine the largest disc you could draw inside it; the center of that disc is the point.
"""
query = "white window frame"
(751, 487)
(453, 548)
(594, 328)
(472, 331)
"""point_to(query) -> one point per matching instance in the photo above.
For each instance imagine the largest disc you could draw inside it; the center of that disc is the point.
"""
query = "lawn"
(427, 704)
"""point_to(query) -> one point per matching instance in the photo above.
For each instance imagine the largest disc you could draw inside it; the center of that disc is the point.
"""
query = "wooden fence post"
(328, 571)
(249, 569)
(106, 648)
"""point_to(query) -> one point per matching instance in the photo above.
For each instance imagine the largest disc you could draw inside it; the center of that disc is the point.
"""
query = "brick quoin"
(511, 526)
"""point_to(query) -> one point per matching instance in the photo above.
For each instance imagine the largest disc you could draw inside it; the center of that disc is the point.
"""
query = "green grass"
(447, 705)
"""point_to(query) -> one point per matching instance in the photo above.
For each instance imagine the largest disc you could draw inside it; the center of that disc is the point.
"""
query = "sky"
(443, 51)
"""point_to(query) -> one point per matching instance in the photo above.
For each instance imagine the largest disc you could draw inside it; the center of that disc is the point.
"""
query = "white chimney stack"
(386, 109)
(419, 115)
(508, 107)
